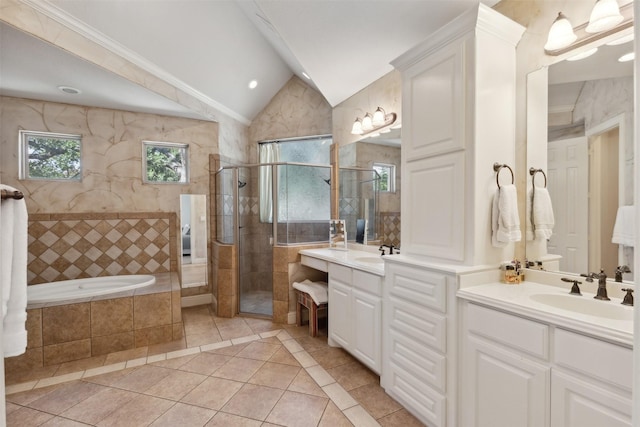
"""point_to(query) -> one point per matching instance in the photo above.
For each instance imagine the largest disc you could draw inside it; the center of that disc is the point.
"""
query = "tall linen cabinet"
(458, 109)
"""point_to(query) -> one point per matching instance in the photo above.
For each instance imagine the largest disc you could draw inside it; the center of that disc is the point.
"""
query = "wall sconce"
(373, 123)
(606, 18)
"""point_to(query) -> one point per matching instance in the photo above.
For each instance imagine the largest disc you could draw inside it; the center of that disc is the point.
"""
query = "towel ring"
(533, 172)
(497, 167)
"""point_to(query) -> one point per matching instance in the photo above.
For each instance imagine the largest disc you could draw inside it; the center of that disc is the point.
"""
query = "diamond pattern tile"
(391, 228)
(68, 249)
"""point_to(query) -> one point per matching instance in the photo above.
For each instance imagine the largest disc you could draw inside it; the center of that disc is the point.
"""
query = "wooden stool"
(305, 300)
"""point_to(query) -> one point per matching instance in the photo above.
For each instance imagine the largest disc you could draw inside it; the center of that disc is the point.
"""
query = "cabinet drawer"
(422, 326)
(340, 273)
(604, 361)
(316, 263)
(367, 282)
(512, 331)
(420, 287)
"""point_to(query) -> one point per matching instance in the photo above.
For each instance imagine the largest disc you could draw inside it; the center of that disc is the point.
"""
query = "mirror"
(383, 149)
(193, 237)
(579, 133)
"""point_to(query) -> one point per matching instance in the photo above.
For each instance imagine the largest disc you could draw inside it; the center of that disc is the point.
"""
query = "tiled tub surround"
(66, 331)
(74, 246)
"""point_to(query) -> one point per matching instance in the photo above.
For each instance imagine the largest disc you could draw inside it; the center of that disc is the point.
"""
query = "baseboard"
(194, 300)
(291, 318)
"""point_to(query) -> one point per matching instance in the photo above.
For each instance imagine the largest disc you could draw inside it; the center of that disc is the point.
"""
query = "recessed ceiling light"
(253, 84)
(627, 57)
(583, 55)
(70, 90)
(306, 75)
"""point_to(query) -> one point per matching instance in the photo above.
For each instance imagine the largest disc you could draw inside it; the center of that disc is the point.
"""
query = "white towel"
(505, 222)
(13, 274)
(542, 218)
(624, 229)
(316, 290)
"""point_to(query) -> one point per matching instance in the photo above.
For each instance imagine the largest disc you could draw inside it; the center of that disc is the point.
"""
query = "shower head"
(328, 181)
(241, 183)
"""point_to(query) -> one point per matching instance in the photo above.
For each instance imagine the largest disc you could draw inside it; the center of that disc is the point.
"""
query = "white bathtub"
(85, 288)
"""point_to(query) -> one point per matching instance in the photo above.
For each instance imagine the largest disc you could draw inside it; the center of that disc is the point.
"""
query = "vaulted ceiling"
(216, 47)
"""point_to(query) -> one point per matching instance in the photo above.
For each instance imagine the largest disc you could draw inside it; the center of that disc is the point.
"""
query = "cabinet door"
(340, 321)
(578, 403)
(501, 388)
(367, 317)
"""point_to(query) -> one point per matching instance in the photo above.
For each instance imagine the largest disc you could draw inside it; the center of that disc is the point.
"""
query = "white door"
(367, 313)
(567, 173)
(340, 322)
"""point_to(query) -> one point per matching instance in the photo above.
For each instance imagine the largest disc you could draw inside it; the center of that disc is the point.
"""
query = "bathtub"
(85, 288)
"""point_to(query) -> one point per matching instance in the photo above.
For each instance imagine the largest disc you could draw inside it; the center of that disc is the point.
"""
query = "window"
(165, 162)
(387, 174)
(50, 156)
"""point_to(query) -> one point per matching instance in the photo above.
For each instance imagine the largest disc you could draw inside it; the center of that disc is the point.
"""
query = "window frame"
(165, 144)
(23, 166)
(391, 184)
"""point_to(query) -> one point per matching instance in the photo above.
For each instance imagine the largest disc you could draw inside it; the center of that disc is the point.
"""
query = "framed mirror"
(580, 143)
(193, 238)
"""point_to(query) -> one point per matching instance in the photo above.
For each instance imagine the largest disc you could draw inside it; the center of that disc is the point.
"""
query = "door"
(367, 313)
(568, 188)
(340, 321)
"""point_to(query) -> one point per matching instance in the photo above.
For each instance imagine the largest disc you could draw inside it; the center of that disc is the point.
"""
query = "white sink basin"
(369, 260)
(585, 305)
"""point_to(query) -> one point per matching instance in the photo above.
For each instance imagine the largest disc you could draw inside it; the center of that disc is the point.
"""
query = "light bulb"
(378, 118)
(604, 16)
(357, 127)
(561, 34)
(367, 122)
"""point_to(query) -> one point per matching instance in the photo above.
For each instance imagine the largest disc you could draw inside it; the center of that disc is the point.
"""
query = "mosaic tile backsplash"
(73, 246)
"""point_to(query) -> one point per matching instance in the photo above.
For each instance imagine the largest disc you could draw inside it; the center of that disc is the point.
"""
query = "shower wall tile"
(176, 307)
(66, 323)
(280, 286)
(151, 310)
(31, 359)
(72, 246)
(390, 234)
(66, 352)
(280, 311)
(111, 316)
(112, 343)
(178, 331)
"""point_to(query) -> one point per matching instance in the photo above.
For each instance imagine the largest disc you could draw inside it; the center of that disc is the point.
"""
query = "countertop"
(370, 262)
(523, 299)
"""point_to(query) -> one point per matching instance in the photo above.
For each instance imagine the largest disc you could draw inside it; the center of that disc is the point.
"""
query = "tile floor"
(226, 372)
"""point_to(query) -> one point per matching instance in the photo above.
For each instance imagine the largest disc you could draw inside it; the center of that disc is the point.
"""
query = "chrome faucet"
(620, 270)
(602, 286)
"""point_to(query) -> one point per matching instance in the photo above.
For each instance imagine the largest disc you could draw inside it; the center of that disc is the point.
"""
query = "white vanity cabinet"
(519, 371)
(355, 313)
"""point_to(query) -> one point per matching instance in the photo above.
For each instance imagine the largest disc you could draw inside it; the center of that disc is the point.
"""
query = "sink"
(586, 305)
(369, 260)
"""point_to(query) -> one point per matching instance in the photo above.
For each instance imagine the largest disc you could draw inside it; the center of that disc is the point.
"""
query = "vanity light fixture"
(627, 57)
(606, 19)
(583, 55)
(379, 122)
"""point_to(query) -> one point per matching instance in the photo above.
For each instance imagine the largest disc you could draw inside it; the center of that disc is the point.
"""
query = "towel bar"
(497, 167)
(533, 172)
(6, 194)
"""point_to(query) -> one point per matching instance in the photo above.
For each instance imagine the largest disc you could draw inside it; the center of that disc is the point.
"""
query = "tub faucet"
(620, 270)
(602, 286)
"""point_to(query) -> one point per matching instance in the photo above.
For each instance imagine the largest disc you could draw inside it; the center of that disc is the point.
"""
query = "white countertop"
(371, 262)
(524, 299)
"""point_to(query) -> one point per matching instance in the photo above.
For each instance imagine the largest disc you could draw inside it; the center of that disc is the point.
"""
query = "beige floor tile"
(312, 344)
(284, 357)
(205, 363)
(201, 327)
(66, 396)
(197, 340)
(22, 376)
(253, 401)
(110, 377)
(140, 411)
(303, 383)
(360, 417)
(81, 365)
(175, 363)
(296, 409)
(296, 331)
(167, 347)
(98, 406)
(275, 375)
(259, 350)
(176, 385)
(26, 397)
(333, 417)
(184, 415)
(238, 369)
(269, 340)
(142, 378)
(213, 393)
(331, 357)
(123, 356)
(401, 418)
(227, 420)
(230, 331)
(10, 407)
(62, 422)
(262, 325)
(373, 398)
(339, 396)
(26, 417)
(230, 350)
(353, 375)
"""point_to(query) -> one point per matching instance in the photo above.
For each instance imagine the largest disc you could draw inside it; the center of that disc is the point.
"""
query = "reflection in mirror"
(383, 149)
(589, 162)
(193, 234)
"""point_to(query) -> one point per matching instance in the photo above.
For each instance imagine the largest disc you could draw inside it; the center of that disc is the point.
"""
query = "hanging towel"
(624, 228)
(505, 223)
(13, 274)
(316, 290)
(542, 213)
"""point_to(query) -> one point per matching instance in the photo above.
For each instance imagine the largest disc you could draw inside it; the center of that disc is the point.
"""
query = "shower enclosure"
(297, 196)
